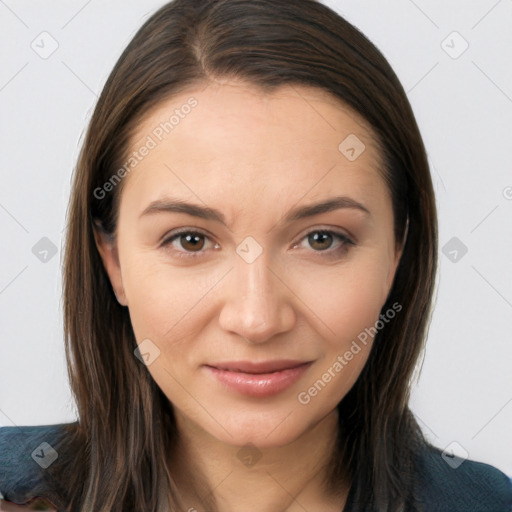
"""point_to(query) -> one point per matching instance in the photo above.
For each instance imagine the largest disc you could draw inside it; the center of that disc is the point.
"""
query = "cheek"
(166, 303)
(349, 303)
(345, 299)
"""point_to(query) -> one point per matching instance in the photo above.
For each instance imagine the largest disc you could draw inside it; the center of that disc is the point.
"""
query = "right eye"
(187, 243)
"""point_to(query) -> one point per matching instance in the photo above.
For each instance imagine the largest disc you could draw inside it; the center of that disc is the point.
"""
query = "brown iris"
(192, 241)
(320, 237)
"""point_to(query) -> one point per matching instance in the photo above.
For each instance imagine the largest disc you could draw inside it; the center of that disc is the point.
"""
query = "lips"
(252, 367)
(257, 379)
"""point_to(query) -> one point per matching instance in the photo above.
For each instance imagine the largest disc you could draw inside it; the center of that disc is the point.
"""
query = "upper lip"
(262, 367)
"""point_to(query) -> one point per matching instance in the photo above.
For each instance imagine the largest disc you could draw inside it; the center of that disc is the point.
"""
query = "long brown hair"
(114, 458)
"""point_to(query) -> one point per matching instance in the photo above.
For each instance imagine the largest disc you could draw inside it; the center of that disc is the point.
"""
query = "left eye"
(323, 239)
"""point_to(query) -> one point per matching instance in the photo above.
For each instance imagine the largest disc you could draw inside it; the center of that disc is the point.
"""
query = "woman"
(248, 280)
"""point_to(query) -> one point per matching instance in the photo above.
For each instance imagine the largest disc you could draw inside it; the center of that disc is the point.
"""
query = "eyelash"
(328, 253)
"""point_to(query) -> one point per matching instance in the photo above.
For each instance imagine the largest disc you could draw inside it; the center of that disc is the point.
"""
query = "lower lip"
(259, 384)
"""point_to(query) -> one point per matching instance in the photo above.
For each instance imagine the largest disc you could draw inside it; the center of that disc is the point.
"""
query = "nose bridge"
(256, 279)
(258, 306)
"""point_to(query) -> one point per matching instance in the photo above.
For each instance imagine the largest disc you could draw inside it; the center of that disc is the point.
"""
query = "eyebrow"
(172, 205)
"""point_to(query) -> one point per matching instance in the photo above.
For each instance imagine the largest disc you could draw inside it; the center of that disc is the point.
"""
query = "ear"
(107, 247)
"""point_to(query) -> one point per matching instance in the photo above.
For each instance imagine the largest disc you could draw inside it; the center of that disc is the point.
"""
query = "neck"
(211, 474)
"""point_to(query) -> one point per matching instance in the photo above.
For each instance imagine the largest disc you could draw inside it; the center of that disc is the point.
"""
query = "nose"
(257, 305)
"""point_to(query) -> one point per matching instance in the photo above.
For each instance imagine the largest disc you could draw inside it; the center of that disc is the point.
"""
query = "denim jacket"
(448, 483)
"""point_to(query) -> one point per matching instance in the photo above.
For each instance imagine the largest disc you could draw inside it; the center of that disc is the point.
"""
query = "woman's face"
(253, 317)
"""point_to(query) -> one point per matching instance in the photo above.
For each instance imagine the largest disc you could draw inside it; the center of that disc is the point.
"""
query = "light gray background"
(463, 105)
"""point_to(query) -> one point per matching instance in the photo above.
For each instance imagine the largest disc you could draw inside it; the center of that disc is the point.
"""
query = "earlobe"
(107, 247)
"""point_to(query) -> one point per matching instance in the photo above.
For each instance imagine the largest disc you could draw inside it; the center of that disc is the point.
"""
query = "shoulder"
(25, 453)
(452, 484)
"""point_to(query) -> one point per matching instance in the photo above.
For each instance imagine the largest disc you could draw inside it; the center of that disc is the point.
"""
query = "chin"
(262, 428)
(260, 434)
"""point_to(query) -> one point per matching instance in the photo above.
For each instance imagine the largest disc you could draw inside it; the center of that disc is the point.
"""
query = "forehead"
(307, 112)
(235, 133)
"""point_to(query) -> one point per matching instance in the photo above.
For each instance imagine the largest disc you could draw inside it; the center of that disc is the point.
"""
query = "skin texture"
(254, 156)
